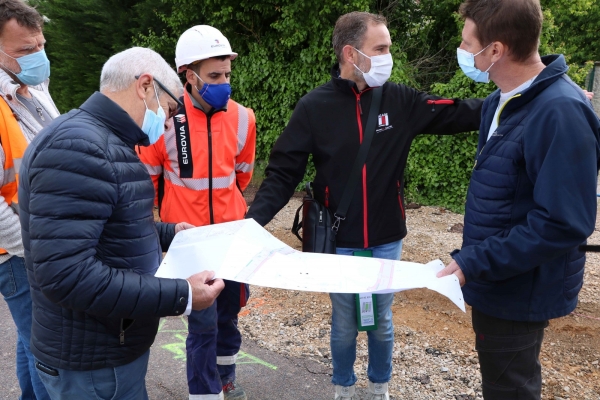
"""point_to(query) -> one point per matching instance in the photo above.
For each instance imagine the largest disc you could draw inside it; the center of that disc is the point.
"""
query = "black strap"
(361, 158)
(297, 225)
(590, 248)
(184, 148)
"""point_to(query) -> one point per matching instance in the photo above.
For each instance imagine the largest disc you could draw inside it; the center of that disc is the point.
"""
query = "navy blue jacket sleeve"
(166, 233)
(561, 160)
(69, 204)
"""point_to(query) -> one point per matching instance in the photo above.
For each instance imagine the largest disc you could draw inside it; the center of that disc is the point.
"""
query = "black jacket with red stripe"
(328, 123)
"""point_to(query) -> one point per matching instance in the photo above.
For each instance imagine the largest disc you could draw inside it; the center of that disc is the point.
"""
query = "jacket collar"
(8, 84)
(556, 67)
(345, 85)
(116, 119)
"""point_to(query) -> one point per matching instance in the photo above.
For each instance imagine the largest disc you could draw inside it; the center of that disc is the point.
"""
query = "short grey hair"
(350, 29)
(119, 72)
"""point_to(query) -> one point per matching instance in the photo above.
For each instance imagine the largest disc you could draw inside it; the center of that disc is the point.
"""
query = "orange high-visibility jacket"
(14, 145)
(222, 147)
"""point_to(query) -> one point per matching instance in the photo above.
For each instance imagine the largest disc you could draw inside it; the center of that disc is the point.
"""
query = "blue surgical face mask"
(466, 61)
(216, 95)
(154, 122)
(35, 68)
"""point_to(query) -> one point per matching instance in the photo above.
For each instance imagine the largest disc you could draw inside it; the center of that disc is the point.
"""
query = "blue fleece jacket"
(531, 200)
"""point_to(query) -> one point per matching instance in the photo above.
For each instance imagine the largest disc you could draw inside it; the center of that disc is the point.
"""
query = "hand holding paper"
(205, 289)
(453, 268)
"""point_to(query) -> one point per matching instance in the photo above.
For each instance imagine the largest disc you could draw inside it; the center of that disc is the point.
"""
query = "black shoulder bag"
(319, 227)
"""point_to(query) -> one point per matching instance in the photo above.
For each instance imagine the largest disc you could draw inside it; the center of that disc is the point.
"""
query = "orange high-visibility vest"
(221, 148)
(14, 144)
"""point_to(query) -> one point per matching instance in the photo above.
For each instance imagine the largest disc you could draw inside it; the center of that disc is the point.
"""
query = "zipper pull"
(122, 337)
(320, 217)
(359, 106)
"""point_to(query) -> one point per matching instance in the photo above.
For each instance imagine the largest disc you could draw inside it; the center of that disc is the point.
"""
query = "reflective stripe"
(171, 146)
(9, 175)
(207, 396)
(227, 360)
(17, 164)
(242, 132)
(154, 169)
(222, 182)
(244, 167)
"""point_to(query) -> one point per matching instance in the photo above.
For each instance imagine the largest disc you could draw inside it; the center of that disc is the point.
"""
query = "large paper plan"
(243, 251)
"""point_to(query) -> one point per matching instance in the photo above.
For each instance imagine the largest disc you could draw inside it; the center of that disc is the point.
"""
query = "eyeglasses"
(167, 91)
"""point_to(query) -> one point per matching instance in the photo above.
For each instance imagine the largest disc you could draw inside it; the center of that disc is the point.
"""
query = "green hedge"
(285, 51)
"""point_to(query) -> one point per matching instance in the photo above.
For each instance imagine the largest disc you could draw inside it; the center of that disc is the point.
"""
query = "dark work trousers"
(509, 357)
(214, 341)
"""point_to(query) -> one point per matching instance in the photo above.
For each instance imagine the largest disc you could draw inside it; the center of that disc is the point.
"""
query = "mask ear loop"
(156, 94)
(10, 70)
(482, 50)
(207, 85)
(364, 55)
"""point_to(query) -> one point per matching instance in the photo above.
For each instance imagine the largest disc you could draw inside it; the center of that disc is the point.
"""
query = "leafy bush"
(285, 51)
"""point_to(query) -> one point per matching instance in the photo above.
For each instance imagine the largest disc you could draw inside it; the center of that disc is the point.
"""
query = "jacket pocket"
(125, 324)
(115, 327)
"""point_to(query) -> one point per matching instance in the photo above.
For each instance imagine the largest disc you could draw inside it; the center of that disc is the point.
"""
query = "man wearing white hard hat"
(200, 167)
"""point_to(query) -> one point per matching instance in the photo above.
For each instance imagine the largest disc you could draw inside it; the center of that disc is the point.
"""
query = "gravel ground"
(434, 355)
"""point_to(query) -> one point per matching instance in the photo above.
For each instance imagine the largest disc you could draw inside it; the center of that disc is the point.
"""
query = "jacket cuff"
(461, 263)
(188, 309)
(182, 296)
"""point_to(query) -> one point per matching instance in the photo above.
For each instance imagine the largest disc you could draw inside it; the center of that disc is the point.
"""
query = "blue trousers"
(127, 382)
(214, 341)
(15, 289)
(344, 329)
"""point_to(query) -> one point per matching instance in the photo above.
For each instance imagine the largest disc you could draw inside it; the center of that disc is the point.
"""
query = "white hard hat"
(199, 43)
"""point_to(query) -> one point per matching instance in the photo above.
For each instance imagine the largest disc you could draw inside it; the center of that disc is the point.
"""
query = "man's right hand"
(205, 289)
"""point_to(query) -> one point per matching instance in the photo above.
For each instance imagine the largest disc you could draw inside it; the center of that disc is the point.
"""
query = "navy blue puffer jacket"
(91, 244)
(532, 201)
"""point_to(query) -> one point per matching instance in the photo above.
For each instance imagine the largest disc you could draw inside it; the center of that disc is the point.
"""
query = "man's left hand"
(182, 226)
(453, 268)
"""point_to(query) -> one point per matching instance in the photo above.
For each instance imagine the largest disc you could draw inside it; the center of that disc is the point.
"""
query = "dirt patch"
(433, 356)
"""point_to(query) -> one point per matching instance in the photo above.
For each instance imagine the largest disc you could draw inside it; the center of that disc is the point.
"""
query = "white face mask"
(381, 69)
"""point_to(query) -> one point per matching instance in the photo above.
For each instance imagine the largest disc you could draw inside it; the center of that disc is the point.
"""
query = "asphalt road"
(263, 374)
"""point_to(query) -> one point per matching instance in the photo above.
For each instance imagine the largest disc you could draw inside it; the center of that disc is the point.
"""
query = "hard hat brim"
(183, 63)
